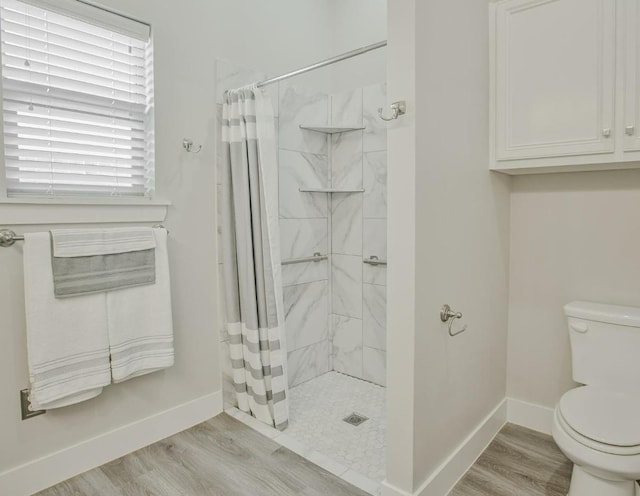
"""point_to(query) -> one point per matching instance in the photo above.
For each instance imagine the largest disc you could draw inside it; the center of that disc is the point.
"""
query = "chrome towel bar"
(374, 260)
(317, 257)
(8, 237)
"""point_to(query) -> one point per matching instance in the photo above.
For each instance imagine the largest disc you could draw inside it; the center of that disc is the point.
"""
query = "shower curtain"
(251, 256)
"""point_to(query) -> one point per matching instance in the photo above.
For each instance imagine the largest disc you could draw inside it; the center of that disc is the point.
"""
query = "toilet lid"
(604, 416)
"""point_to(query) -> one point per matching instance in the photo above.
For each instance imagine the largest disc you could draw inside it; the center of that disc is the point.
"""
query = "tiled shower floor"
(317, 432)
(317, 408)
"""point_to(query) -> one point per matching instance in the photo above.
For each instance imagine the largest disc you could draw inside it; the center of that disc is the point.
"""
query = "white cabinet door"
(631, 75)
(554, 78)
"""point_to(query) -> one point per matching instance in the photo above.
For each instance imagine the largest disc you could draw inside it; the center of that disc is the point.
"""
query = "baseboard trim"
(536, 417)
(389, 490)
(456, 465)
(51, 469)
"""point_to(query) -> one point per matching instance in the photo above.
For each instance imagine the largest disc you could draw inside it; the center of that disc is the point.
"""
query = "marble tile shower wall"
(350, 160)
(359, 225)
(304, 162)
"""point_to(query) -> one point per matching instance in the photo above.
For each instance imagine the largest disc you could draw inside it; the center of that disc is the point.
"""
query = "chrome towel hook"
(447, 314)
(190, 147)
(397, 109)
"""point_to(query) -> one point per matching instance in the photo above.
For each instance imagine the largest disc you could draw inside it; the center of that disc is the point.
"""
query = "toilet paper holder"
(448, 315)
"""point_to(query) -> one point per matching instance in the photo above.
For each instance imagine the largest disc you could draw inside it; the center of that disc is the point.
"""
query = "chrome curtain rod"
(332, 60)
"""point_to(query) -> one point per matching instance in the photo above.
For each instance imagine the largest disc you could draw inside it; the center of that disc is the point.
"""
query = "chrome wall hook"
(190, 147)
(397, 109)
(447, 314)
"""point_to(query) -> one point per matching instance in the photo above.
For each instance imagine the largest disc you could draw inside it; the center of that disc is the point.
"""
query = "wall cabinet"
(565, 85)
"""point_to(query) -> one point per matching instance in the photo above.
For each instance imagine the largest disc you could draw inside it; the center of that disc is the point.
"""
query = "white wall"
(401, 248)
(573, 236)
(354, 24)
(460, 214)
(270, 36)
(273, 36)
(463, 229)
(350, 24)
(183, 106)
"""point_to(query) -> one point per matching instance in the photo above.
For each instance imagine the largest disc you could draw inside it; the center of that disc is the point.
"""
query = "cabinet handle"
(606, 132)
(630, 130)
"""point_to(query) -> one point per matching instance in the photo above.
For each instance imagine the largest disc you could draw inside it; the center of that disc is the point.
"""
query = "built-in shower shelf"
(330, 190)
(331, 129)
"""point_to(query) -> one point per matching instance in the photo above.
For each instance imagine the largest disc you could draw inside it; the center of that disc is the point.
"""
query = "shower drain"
(355, 419)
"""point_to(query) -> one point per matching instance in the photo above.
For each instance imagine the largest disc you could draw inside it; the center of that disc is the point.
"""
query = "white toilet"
(597, 426)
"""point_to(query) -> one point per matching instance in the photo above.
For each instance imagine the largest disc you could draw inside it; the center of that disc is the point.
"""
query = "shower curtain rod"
(333, 60)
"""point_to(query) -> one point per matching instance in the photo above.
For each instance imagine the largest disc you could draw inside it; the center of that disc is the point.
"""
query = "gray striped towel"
(98, 260)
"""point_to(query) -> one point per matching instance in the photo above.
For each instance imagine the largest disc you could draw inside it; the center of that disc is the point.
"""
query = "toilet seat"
(602, 420)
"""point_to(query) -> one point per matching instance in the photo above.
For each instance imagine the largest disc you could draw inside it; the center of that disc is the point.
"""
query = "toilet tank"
(605, 345)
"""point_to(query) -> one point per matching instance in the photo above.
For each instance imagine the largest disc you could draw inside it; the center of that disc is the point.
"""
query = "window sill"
(25, 211)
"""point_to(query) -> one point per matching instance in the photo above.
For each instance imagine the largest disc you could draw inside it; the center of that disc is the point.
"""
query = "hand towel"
(73, 276)
(67, 340)
(140, 322)
(87, 261)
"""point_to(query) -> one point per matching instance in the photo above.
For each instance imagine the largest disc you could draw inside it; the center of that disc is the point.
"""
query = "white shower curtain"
(251, 256)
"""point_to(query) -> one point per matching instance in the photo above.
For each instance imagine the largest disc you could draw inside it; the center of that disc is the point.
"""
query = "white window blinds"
(77, 102)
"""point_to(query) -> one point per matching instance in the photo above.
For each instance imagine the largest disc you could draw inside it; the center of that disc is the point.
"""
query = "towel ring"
(447, 314)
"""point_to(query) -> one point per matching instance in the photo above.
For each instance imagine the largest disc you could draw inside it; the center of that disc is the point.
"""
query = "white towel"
(67, 339)
(140, 322)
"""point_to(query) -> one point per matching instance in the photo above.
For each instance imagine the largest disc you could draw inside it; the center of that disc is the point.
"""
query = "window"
(77, 97)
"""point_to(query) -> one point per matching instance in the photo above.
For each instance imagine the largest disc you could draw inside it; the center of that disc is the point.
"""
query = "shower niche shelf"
(330, 190)
(331, 129)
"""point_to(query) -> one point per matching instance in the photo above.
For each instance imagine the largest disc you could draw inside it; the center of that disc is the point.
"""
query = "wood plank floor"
(219, 457)
(223, 457)
(518, 462)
